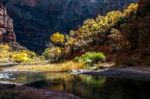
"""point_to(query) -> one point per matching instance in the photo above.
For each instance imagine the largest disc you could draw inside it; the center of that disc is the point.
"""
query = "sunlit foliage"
(91, 57)
(57, 38)
(20, 57)
(30, 54)
(4, 47)
(131, 9)
(4, 51)
(7, 53)
(101, 24)
(91, 28)
(70, 40)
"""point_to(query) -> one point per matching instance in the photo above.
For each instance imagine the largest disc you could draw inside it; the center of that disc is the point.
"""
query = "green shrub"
(91, 57)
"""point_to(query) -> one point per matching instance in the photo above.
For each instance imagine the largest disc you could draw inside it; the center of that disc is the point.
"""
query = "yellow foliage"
(52, 52)
(70, 40)
(7, 53)
(113, 16)
(4, 51)
(20, 57)
(4, 54)
(30, 53)
(57, 38)
(92, 27)
(131, 9)
(4, 47)
(56, 50)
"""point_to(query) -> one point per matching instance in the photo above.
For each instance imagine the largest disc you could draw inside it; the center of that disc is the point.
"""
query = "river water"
(84, 86)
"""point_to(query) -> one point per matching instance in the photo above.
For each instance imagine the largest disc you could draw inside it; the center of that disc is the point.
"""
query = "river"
(84, 86)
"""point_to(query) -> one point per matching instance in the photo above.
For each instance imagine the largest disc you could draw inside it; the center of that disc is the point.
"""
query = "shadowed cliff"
(137, 31)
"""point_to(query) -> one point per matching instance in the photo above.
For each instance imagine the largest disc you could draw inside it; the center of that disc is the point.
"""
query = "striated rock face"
(36, 20)
(6, 26)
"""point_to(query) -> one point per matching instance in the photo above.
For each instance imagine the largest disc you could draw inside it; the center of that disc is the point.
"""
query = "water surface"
(87, 87)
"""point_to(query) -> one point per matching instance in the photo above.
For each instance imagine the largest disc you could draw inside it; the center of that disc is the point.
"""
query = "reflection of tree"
(91, 87)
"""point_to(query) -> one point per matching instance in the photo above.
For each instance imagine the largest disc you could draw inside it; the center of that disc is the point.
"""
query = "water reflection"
(87, 87)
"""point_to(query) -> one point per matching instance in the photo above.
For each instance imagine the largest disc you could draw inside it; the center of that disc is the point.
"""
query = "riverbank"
(55, 67)
(107, 69)
(137, 73)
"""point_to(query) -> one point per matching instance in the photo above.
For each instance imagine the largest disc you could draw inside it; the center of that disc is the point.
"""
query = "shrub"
(70, 40)
(46, 53)
(57, 38)
(131, 9)
(91, 57)
(52, 54)
(4, 51)
(101, 24)
(19, 57)
(4, 47)
(30, 53)
(93, 27)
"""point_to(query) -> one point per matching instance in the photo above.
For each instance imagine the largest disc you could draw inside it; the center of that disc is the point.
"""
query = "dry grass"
(59, 67)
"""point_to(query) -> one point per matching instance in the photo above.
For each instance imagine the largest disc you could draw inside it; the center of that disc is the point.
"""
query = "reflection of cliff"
(35, 20)
(6, 26)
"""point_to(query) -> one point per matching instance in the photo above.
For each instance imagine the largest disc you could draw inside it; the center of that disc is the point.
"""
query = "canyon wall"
(36, 20)
(7, 33)
(137, 31)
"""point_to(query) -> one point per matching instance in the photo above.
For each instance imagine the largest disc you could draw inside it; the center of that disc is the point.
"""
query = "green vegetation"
(91, 57)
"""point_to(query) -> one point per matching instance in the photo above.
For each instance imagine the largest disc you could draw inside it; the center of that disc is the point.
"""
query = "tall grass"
(58, 67)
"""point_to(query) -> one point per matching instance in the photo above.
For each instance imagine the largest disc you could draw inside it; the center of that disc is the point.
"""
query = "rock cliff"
(36, 20)
(137, 31)
(6, 26)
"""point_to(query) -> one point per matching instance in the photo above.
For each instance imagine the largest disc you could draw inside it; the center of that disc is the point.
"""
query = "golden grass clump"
(58, 67)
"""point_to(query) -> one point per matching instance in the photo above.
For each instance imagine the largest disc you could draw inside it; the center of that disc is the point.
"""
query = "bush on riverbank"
(99, 27)
(8, 53)
(91, 57)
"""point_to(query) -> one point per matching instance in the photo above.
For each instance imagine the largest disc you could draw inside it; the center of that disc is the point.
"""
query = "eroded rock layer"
(6, 26)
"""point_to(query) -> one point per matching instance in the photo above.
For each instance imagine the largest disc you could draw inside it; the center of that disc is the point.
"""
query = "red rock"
(7, 33)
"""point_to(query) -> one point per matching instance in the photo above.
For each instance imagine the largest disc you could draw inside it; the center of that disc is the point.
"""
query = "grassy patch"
(58, 67)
